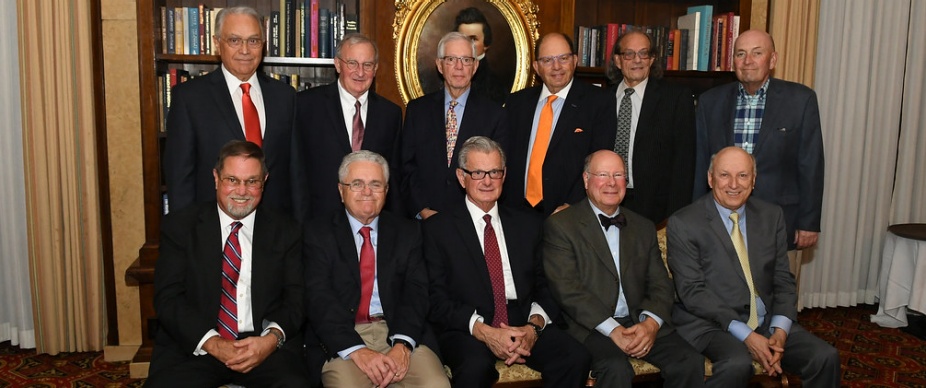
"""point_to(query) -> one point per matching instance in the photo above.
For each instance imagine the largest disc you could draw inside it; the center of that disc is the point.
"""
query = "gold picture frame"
(419, 25)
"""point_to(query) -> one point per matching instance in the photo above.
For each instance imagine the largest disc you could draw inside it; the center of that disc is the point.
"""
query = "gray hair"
(452, 36)
(482, 144)
(362, 156)
(240, 10)
(355, 39)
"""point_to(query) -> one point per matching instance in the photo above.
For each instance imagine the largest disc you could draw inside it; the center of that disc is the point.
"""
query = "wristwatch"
(537, 329)
(403, 342)
(279, 337)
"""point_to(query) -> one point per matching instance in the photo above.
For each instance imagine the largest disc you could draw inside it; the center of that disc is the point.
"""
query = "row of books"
(698, 40)
(297, 29)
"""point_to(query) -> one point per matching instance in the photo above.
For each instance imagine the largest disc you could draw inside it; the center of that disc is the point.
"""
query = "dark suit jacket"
(459, 277)
(583, 277)
(663, 151)
(426, 179)
(202, 119)
(789, 149)
(187, 280)
(587, 123)
(332, 279)
(707, 273)
(320, 141)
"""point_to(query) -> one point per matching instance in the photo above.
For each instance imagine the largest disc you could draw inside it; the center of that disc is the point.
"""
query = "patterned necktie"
(493, 258)
(367, 275)
(534, 192)
(357, 131)
(622, 139)
(740, 245)
(251, 119)
(451, 120)
(228, 305)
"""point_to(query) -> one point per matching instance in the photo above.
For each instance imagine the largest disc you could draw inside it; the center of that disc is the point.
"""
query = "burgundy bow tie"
(617, 220)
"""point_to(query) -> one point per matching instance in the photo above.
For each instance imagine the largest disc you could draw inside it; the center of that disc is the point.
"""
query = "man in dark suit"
(228, 290)
(489, 297)
(231, 102)
(367, 287)
(578, 121)
(329, 125)
(606, 272)
(655, 130)
(437, 122)
(728, 256)
(776, 121)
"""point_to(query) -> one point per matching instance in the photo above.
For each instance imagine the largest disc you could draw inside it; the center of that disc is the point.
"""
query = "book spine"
(193, 29)
(202, 29)
(178, 31)
(164, 30)
(275, 34)
(313, 38)
(324, 34)
(171, 41)
(290, 29)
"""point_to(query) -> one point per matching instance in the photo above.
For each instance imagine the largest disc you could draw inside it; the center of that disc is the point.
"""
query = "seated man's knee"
(738, 367)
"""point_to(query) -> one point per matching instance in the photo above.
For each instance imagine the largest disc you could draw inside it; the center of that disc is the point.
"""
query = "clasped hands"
(241, 355)
(767, 351)
(509, 343)
(636, 341)
(383, 369)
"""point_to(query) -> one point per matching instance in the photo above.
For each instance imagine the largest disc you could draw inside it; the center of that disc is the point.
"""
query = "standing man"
(553, 127)
(437, 122)
(472, 23)
(489, 296)
(728, 255)
(336, 119)
(228, 290)
(367, 287)
(655, 130)
(778, 122)
(231, 102)
(606, 272)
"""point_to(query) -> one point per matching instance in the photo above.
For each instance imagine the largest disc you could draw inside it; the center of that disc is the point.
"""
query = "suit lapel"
(261, 250)
(591, 232)
(772, 97)
(385, 247)
(514, 241)
(210, 253)
(729, 105)
(347, 247)
(720, 230)
(336, 116)
(224, 104)
(567, 115)
(651, 97)
(466, 230)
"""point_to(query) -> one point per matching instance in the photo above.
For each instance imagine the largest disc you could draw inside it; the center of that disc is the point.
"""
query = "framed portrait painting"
(505, 32)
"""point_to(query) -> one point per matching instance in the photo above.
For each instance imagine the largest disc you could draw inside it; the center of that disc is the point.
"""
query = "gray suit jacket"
(582, 275)
(708, 277)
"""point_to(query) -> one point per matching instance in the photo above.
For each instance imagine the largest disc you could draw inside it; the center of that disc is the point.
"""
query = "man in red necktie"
(228, 286)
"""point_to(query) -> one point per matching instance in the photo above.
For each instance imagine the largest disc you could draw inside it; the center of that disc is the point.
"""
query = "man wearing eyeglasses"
(336, 119)
(228, 286)
(607, 275)
(233, 101)
(437, 123)
(553, 126)
(655, 130)
(489, 297)
(366, 287)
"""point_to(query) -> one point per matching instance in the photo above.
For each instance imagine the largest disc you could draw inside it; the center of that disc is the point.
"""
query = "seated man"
(367, 291)
(729, 257)
(489, 296)
(228, 290)
(606, 273)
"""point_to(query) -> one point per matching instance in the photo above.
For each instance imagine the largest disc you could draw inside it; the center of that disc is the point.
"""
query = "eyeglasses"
(606, 175)
(643, 54)
(353, 65)
(358, 186)
(561, 59)
(235, 42)
(479, 174)
(252, 183)
(452, 61)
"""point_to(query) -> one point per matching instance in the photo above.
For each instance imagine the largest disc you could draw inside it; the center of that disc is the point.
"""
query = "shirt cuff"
(345, 354)
(473, 319)
(607, 326)
(739, 330)
(536, 309)
(272, 325)
(782, 322)
(199, 347)
(403, 337)
(655, 317)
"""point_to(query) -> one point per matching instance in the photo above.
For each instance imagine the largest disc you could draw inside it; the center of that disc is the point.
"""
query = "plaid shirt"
(748, 119)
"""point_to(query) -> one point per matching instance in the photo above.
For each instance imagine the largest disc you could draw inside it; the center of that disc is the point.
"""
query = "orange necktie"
(251, 120)
(539, 152)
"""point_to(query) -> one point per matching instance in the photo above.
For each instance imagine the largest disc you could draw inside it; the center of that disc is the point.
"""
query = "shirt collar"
(226, 220)
(637, 90)
(598, 211)
(347, 99)
(355, 225)
(759, 93)
(460, 100)
(545, 92)
(234, 83)
(476, 213)
(725, 213)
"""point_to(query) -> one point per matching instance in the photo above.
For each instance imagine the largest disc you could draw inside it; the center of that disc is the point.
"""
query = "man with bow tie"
(605, 271)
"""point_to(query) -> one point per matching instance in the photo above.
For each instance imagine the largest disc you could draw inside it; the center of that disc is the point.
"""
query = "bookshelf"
(154, 61)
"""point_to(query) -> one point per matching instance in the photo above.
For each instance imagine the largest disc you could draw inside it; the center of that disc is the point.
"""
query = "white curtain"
(869, 105)
(16, 323)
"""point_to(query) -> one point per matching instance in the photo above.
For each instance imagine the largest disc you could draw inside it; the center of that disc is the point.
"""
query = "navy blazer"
(202, 119)
(320, 142)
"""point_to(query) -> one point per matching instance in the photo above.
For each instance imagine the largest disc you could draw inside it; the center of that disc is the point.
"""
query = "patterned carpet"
(871, 356)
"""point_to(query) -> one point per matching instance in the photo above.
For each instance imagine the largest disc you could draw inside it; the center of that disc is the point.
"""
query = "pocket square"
(578, 130)
(782, 129)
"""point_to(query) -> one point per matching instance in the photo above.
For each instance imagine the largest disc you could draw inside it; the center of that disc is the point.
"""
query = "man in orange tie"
(233, 102)
(553, 126)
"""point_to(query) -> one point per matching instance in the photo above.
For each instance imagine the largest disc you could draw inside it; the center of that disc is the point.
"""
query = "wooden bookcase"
(152, 62)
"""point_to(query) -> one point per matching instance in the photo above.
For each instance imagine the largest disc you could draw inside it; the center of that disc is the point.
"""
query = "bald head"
(754, 57)
(732, 176)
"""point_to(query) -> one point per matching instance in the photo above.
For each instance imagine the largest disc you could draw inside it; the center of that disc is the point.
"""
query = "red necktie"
(251, 119)
(357, 131)
(367, 275)
(494, 262)
(228, 306)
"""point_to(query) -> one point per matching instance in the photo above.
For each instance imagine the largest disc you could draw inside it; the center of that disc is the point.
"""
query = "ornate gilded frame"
(411, 17)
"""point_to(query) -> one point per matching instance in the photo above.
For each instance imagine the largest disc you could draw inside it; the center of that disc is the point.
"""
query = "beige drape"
(794, 24)
(63, 213)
